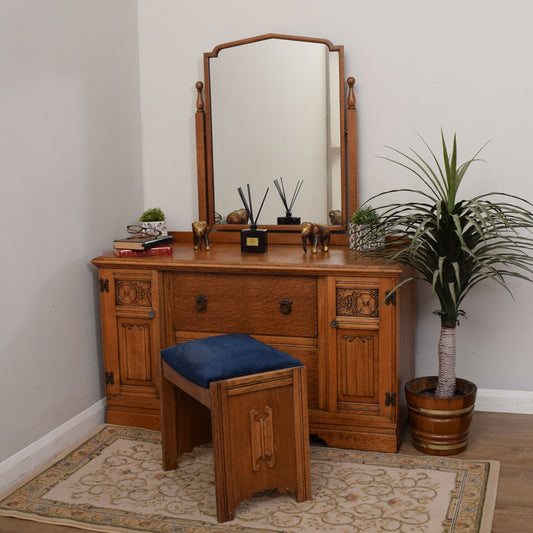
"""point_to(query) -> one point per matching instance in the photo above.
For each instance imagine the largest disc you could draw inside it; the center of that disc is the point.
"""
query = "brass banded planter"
(440, 426)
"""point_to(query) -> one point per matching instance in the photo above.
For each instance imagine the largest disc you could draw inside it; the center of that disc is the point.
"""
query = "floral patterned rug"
(114, 482)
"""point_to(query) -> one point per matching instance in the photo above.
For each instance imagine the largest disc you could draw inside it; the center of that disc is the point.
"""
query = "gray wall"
(70, 167)
(419, 66)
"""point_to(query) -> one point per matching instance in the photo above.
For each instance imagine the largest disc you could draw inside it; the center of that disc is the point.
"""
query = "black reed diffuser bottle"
(288, 218)
(252, 239)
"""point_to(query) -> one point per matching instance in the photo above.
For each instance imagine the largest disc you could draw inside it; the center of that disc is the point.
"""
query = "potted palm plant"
(453, 244)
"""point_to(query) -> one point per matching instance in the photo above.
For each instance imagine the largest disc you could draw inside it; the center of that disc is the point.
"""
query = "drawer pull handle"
(151, 314)
(285, 306)
(334, 324)
(200, 302)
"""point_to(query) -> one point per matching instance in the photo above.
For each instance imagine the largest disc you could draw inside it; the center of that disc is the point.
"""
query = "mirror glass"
(274, 113)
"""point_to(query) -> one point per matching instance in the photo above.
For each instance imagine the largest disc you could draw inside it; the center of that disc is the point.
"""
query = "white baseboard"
(505, 401)
(40, 452)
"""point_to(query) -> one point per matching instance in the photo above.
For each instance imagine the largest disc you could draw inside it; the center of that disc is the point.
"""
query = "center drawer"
(244, 303)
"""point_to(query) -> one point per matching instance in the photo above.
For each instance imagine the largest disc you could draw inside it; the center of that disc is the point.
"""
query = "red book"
(157, 250)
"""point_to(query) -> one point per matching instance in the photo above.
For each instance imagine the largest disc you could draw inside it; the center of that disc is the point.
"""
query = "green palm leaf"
(464, 242)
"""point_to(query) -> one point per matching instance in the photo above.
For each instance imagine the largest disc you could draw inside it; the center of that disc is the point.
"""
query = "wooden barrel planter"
(440, 426)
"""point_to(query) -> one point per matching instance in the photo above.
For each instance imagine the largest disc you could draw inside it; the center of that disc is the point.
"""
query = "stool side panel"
(262, 438)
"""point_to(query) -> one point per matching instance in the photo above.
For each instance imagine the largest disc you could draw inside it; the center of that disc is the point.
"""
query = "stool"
(250, 400)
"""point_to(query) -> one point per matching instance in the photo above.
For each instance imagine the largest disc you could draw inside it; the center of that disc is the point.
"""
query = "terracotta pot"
(439, 426)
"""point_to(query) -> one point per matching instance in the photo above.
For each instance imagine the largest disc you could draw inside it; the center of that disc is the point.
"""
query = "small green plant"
(155, 214)
(365, 215)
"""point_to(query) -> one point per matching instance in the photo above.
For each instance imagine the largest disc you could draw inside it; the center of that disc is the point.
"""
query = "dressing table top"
(227, 257)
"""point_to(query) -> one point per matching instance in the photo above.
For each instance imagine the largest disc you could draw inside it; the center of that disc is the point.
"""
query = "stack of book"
(140, 245)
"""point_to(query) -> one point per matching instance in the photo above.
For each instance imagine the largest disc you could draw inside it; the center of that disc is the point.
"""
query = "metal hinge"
(109, 378)
(104, 285)
(390, 298)
(390, 399)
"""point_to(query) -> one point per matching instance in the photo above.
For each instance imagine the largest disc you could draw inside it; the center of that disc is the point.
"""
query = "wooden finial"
(351, 94)
(199, 100)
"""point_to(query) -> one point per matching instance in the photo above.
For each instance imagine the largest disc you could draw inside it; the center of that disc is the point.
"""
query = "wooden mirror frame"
(204, 141)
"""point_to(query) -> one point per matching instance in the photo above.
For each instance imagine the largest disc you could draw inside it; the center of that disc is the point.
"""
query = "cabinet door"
(131, 334)
(362, 360)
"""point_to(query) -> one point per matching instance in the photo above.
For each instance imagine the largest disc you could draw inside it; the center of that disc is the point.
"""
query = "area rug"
(114, 482)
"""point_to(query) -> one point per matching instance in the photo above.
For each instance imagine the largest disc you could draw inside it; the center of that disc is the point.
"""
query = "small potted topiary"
(153, 220)
(365, 234)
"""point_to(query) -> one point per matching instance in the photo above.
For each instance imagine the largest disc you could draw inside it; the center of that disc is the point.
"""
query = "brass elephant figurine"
(315, 233)
(200, 232)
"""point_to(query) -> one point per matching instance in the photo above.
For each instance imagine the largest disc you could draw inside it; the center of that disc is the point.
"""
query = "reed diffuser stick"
(245, 203)
(261, 207)
(283, 194)
(248, 205)
(296, 192)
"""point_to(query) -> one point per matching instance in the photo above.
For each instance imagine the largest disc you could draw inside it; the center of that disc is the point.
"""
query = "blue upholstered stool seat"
(223, 357)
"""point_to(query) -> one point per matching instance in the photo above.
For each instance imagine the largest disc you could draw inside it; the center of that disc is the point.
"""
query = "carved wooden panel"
(262, 439)
(135, 351)
(133, 292)
(357, 302)
(357, 367)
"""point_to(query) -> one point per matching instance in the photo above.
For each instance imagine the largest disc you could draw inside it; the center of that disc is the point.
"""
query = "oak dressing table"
(321, 308)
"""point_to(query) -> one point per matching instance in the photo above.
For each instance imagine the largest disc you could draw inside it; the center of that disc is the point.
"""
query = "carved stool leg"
(193, 423)
(301, 434)
(220, 424)
(185, 422)
(169, 439)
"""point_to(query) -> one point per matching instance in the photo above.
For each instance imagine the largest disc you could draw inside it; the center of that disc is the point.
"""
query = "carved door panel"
(363, 353)
(357, 370)
(131, 324)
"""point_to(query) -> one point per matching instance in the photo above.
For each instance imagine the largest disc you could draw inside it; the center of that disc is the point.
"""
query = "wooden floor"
(504, 437)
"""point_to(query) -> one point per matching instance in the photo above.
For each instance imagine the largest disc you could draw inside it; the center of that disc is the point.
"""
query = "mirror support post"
(201, 163)
(351, 142)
